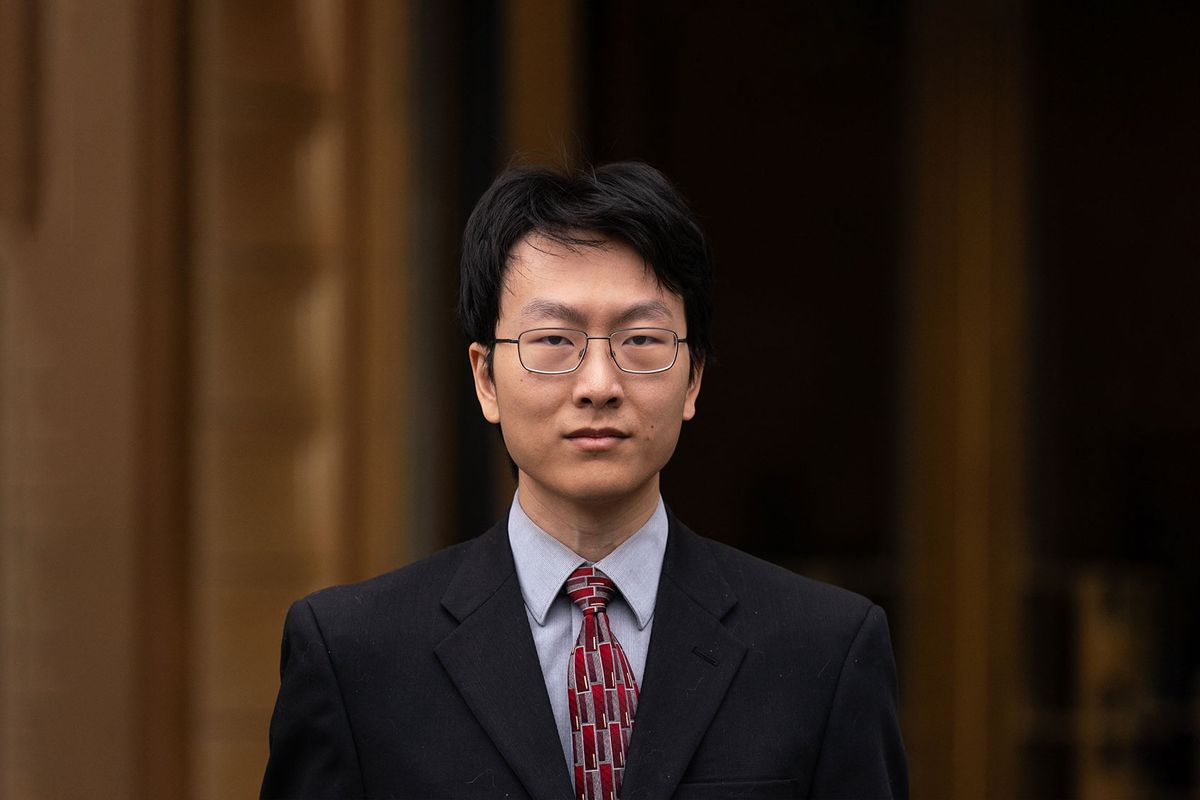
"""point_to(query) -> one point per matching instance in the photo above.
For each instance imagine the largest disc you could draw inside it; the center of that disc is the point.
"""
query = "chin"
(595, 489)
(600, 495)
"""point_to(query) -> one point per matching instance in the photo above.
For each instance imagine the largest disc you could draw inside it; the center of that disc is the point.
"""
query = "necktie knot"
(589, 588)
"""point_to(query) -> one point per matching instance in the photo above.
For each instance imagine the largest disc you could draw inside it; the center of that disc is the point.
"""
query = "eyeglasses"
(557, 351)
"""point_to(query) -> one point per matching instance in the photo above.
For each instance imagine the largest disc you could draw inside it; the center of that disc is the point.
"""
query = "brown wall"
(86, 414)
(206, 352)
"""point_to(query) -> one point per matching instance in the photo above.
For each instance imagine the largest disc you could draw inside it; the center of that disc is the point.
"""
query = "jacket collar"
(689, 667)
(492, 661)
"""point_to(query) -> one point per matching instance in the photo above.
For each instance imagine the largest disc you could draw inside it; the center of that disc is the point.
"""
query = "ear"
(485, 387)
(689, 399)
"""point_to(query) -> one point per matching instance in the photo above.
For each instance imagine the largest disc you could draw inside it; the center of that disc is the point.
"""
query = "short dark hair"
(628, 201)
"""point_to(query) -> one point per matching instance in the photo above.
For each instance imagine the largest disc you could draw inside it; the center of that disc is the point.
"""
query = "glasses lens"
(644, 349)
(551, 349)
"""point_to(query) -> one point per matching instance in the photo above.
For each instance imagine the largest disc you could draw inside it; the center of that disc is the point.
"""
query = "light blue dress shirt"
(543, 565)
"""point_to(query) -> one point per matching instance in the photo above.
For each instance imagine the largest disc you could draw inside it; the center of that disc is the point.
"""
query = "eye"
(551, 339)
(644, 339)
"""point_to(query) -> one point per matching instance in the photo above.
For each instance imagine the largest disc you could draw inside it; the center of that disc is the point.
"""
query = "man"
(589, 645)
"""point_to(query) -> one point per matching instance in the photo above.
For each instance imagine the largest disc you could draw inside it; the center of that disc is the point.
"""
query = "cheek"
(528, 402)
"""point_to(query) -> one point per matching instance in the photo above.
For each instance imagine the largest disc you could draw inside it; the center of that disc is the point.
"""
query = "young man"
(589, 645)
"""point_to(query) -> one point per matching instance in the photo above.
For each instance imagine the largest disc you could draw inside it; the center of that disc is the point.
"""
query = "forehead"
(544, 277)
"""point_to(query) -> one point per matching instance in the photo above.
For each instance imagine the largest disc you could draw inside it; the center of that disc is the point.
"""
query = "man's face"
(595, 435)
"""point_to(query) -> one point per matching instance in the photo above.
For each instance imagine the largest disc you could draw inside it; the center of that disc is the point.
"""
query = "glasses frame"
(587, 342)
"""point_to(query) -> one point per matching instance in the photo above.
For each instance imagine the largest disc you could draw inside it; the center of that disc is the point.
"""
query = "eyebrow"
(540, 308)
(654, 309)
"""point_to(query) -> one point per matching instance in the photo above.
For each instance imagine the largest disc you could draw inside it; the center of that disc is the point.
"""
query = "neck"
(593, 529)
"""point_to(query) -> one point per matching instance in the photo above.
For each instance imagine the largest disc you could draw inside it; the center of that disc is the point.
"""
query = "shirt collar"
(544, 563)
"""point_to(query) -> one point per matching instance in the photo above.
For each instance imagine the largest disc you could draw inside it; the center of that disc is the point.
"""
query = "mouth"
(595, 439)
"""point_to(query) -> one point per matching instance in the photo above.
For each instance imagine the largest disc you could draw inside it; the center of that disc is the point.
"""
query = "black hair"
(627, 201)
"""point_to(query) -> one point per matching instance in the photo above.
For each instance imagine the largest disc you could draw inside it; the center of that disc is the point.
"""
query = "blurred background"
(957, 250)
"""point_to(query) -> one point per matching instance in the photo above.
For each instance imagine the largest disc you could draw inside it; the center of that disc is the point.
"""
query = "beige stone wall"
(207, 397)
(300, 413)
(76, 403)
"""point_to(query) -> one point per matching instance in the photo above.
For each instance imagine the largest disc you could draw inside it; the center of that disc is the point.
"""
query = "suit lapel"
(691, 661)
(492, 661)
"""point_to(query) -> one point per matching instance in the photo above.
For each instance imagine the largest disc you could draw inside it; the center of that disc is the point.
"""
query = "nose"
(598, 380)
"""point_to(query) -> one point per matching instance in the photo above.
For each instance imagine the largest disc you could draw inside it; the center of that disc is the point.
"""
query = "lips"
(594, 439)
(597, 433)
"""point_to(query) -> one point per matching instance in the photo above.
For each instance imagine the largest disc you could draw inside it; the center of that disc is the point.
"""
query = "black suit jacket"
(425, 683)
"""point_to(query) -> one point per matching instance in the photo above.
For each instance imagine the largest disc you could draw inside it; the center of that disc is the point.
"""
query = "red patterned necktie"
(602, 692)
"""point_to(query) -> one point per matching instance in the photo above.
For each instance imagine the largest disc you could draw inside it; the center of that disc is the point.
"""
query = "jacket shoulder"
(410, 595)
(779, 598)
